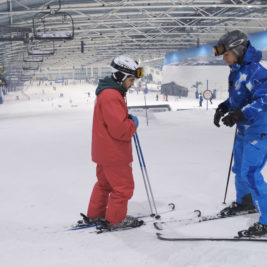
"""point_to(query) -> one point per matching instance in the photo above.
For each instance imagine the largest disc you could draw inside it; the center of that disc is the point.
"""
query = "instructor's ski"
(233, 239)
(198, 219)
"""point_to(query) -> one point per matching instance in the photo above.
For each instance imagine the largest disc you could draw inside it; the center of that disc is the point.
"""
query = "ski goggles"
(138, 73)
(219, 50)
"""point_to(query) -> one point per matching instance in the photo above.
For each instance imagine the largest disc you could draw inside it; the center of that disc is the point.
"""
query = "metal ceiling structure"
(143, 29)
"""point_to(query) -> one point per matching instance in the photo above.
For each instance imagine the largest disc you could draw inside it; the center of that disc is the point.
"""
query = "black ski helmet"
(236, 41)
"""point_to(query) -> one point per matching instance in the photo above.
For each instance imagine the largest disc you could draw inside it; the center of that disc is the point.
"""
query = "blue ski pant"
(250, 155)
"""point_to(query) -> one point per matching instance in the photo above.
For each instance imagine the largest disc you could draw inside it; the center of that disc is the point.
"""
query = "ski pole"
(230, 167)
(147, 178)
(143, 175)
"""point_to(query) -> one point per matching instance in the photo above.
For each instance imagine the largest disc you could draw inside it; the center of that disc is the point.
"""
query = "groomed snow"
(47, 177)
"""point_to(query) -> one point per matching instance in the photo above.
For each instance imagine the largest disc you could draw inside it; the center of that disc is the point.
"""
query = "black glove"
(232, 117)
(220, 111)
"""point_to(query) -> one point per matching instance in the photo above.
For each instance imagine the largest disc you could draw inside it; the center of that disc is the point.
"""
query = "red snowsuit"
(112, 151)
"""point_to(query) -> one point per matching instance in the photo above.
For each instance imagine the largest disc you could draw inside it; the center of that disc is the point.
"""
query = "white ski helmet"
(123, 67)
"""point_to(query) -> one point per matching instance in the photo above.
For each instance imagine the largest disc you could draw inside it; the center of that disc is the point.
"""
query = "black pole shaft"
(230, 168)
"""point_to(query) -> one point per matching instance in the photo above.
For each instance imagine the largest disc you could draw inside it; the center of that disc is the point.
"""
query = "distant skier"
(246, 106)
(113, 129)
(200, 100)
(211, 99)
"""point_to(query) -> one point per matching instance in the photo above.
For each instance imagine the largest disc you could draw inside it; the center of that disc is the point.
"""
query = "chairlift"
(53, 26)
(41, 50)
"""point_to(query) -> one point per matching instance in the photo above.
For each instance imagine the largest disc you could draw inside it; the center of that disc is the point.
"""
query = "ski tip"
(157, 225)
(158, 235)
(172, 206)
(83, 215)
(198, 212)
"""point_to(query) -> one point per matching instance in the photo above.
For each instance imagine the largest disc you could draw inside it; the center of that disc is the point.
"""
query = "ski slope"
(47, 177)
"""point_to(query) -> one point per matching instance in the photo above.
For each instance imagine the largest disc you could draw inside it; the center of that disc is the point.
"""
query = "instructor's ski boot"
(128, 222)
(235, 208)
(257, 229)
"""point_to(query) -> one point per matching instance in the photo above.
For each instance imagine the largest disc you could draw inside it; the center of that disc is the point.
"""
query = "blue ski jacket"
(248, 92)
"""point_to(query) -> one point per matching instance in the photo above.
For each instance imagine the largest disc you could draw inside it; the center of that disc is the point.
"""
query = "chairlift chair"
(30, 67)
(41, 50)
(53, 26)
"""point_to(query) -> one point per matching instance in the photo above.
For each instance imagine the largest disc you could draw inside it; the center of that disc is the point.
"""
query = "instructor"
(246, 107)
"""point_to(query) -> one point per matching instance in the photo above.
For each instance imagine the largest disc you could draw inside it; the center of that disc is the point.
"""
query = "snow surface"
(47, 177)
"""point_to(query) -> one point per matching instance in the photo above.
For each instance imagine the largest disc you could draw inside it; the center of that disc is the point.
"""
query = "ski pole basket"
(53, 26)
(30, 66)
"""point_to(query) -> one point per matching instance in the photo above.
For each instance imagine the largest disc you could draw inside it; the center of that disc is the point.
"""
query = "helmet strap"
(119, 76)
(240, 52)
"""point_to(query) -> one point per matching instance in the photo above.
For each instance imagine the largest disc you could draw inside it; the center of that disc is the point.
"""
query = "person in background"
(112, 131)
(200, 100)
(211, 99)
(246, 108)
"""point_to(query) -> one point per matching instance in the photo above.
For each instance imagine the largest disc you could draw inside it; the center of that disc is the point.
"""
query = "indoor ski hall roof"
(52, 33)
